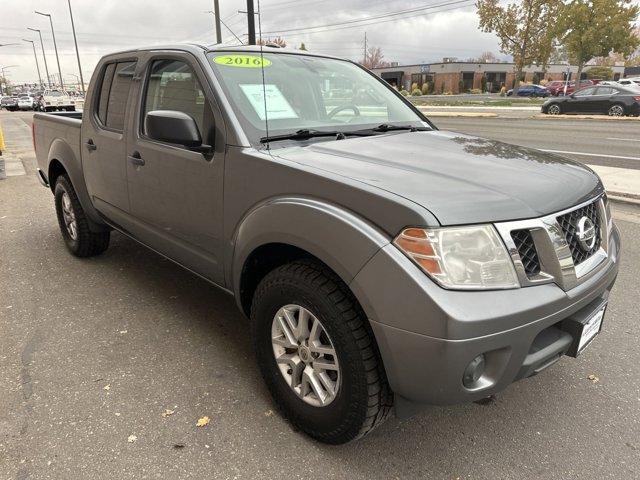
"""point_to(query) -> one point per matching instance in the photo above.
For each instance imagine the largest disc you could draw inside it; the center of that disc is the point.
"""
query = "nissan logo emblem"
(586, 233)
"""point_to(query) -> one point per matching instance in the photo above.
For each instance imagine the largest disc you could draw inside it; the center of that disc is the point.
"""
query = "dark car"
(10, 103)
(530, 91)
(596, 99)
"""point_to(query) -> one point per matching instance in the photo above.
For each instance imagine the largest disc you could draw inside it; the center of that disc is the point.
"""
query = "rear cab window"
(111, 105)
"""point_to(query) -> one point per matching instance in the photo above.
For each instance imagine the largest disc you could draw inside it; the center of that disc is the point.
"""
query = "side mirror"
(174, 127)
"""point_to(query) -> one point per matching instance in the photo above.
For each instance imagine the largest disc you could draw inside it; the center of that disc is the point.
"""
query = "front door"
(103, 141)
(176, 193)
(580, 101)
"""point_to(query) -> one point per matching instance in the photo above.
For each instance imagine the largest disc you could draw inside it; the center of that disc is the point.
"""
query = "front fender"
(336, 236)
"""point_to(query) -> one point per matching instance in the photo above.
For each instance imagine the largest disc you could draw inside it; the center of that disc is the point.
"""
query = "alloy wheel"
(553, 110)
(305, 355)
(69, 216)
(616, 111)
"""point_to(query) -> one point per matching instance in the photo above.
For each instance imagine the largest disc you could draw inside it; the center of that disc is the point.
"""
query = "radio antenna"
(264, 86)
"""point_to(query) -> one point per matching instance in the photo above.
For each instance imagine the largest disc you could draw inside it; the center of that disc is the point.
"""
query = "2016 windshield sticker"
(242, 61)
(277, 106)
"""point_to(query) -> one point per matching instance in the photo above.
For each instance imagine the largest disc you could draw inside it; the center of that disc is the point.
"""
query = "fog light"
(474, 371)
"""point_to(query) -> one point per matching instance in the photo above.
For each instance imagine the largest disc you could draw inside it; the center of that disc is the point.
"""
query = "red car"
(556, 87)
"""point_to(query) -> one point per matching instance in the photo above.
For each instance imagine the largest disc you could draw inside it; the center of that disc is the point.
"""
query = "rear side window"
(114, 93)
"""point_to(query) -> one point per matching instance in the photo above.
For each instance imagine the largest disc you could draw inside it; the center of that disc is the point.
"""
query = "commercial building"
(457, 77)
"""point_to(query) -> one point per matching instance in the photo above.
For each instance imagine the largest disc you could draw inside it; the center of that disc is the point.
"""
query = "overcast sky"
(105, 26)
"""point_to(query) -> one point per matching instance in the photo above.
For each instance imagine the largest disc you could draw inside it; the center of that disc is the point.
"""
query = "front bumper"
(428, 335)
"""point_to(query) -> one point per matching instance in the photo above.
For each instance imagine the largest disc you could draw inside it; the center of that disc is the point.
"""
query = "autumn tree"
(302, 47)
(374, 58)
(523, 29)
(595, 28)
(633, 60)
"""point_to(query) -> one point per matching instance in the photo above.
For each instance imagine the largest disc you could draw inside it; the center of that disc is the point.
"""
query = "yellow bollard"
(2, 145)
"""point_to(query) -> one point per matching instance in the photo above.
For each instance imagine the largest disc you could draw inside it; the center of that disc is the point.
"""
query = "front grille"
(568, 223)
(527, 250)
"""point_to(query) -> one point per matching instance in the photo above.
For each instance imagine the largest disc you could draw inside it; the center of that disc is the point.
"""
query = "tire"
(616, 110)
(363, 398)
(79, 239)
(554, 109)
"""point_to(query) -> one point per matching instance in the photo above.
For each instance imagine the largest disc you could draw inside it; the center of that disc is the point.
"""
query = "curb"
(627, 199)
(542, 116)
(460, 114)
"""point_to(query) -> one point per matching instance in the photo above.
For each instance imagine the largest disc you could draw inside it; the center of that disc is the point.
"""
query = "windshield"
(54, 93)
(305, 92)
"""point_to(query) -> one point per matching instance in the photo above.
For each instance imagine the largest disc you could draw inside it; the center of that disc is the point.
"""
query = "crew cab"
(383, 264)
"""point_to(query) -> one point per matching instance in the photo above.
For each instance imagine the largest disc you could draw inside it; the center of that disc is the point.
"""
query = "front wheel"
(317, 355)
(74, 225)
(554, 109)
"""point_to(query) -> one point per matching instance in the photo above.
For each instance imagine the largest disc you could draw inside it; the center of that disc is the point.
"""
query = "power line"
(373, 17)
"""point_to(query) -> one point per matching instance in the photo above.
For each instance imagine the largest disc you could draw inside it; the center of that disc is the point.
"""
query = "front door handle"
(90, 145)
(136, 159)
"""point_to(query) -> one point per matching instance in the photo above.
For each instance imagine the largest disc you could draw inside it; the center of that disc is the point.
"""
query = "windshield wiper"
(306, 133)
(385, 127)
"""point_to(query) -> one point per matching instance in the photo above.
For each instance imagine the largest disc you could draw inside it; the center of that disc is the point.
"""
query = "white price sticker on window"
(277, 106)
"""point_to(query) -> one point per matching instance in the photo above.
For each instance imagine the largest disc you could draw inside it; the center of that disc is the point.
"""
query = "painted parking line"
(601, 155)
(624, 139)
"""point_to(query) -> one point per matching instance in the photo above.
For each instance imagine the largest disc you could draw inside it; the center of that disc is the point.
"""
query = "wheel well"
(260, 262)
(55, 170)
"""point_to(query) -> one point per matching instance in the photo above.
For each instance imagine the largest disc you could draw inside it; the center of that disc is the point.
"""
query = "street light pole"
(46, 67)
(33, 44)
(216, 14)
(75, 40)
(55, 46)
(251, 22)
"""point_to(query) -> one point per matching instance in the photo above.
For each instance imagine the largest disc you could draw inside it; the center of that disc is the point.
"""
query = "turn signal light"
(416, 243)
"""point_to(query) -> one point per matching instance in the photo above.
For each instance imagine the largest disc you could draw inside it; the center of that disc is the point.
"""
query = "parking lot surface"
(93, 352)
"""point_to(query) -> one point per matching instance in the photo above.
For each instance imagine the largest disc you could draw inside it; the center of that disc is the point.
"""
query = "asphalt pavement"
(93, 352)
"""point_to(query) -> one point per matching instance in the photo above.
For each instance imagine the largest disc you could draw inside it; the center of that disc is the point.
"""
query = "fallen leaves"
(107, 387)
(593, 378)
(132, 438)
(268, 413)
(203, 422)
(167, 413)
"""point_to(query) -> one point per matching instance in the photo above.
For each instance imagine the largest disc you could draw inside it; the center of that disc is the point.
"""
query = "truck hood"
(460, 179)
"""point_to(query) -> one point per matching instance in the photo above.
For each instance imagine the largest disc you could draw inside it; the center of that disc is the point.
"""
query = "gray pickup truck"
(383, 264)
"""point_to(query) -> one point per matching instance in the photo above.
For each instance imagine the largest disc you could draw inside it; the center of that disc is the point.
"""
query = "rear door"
(176, 193)
(603, 99)
(103, 139)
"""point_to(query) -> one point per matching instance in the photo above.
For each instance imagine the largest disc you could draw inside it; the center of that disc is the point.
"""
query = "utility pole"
(33, 44)
(55, 46)
(46, 68)
(216, 15)
(364, 58)
(251, 22)
(75, 41)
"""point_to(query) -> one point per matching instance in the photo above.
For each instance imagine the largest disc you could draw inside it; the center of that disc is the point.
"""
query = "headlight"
(469, 258)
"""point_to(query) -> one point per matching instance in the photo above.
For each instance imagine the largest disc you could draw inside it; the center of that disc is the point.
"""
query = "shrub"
(414, 86)
(476, 90)
(416, 92)
(404, 93)
(461, 87)
(483, 83)
(600, 72)
(426, 88)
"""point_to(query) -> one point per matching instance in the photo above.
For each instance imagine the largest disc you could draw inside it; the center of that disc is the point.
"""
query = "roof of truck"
(198, 48)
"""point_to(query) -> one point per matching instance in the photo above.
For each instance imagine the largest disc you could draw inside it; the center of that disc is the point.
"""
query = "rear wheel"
(74, 225)
(554, 109)
(616, 110)
(317, 355)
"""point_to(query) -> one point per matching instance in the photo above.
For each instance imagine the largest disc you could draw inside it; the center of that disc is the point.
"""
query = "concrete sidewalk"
(622, 184)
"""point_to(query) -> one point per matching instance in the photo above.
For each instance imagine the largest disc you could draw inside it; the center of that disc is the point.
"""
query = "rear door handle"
(136, 159)
(90, 145)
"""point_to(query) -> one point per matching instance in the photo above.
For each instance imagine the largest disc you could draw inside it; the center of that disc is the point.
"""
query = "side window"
(114, 91)
(172, 85)
(119, 94)
(585, 92)
(104, 92)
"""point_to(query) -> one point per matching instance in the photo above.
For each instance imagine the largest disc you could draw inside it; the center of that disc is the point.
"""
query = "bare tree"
(485, 57)
(281, 42)
(374, 58)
